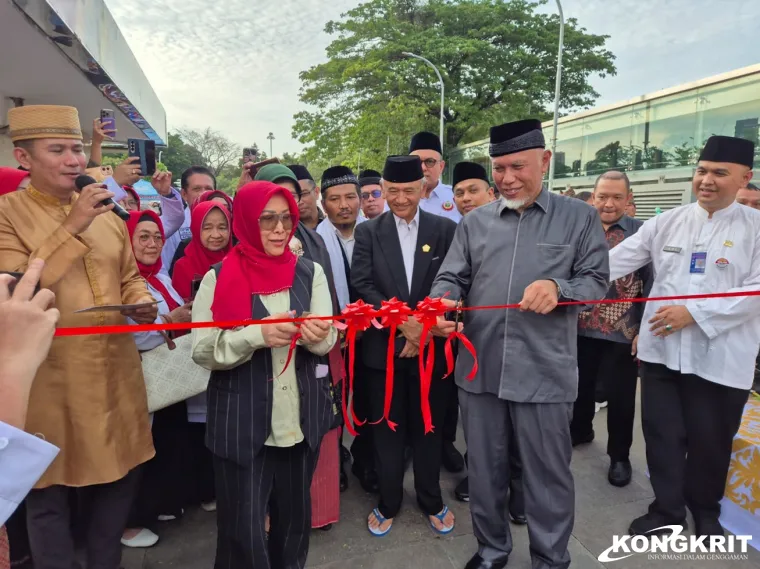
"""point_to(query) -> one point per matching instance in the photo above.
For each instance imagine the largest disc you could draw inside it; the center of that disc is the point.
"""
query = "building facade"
(71, 52)
(655, 138)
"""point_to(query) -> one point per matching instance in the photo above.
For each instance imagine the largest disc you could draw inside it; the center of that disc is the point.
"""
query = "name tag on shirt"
(671, 249)
(185, 233)
(698, 262)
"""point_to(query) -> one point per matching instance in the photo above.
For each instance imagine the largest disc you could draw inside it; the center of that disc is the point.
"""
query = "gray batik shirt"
(495, 255)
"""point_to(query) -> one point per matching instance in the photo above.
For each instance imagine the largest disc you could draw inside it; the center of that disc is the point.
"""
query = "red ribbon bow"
(392, 314)
(358, 317)
(428, 311)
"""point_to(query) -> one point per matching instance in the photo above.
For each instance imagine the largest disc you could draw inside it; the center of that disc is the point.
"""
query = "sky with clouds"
(234, 64)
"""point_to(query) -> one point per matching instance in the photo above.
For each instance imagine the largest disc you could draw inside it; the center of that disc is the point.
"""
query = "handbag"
(171, 375)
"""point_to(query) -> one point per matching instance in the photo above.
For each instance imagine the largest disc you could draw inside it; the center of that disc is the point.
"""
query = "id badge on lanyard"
(698, 261)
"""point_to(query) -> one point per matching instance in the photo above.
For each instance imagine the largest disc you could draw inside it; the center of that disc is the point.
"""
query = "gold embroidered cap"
(44, 121)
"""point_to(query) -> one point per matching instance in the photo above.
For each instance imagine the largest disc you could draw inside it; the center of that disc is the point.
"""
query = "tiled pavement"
(601, 511)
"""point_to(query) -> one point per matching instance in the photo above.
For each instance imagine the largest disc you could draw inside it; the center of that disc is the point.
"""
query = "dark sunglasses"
(430, 162)
(377, 194)
(269, 221)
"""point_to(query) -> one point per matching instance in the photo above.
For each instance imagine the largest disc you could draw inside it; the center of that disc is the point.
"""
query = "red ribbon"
(68, 331)
(291, 349)
(358, 317)
(450, 354)
(428, 311)
(392, 314)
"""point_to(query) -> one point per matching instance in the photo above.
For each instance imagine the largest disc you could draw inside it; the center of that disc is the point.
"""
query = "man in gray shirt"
(535, 249)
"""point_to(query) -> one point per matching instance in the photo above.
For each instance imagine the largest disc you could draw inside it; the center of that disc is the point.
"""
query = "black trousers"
(163, 485)
(362, 449)
(104, 508)
(18, 536)
(201, 487)
(390, 444)
(689, 426)
(611, 365)
(278, 481)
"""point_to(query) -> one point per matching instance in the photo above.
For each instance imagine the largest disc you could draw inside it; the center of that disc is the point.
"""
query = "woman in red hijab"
(132, 201)
(210, 227)
(217, 196)
(267, 409)
(161, 492)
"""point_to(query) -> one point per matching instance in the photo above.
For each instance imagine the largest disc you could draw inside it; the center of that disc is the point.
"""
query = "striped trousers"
(277, 480)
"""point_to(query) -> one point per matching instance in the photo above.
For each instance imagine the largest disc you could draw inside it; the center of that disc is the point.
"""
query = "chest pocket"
(555, 260)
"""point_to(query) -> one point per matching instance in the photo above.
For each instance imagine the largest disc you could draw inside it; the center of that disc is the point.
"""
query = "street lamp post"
(270, 138)
(440, 80)
(556, 93)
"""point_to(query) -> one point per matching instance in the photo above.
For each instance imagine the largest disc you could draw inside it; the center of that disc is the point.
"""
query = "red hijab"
(10, 178)
(131, 190)
(248, 270)
(149, 272)
(198, 259)
(210, 195)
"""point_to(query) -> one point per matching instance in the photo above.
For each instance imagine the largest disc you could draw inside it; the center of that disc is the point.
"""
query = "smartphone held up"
(108, 120)
(145, 150)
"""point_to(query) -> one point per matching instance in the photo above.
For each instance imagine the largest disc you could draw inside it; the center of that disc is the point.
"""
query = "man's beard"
(514, 204)
(345, 226)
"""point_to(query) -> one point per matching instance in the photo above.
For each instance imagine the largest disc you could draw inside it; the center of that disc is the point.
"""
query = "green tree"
(498, 61)
(179, 156)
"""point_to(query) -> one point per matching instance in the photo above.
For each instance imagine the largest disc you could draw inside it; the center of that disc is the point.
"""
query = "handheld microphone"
(83, 181)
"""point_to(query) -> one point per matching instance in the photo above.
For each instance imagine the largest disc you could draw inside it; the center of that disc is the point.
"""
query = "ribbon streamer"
(392, 314)
(427, 313)
(358, 317)
(449, 352)
(291, 349)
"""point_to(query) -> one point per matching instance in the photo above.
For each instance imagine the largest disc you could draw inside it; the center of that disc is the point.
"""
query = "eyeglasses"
(377, 194)
(296, 196)
(430, 162)
(269, 221)
(144, 239)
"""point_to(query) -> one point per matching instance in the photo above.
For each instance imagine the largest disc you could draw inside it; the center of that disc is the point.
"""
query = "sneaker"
(143, 538)
(209, 506)
(599, 406)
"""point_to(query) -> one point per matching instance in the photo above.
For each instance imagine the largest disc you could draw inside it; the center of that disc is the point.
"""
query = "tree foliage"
(498, 61)
(216, 150)
(179, 155)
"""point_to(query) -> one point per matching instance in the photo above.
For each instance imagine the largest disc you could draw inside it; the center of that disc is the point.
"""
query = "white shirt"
(334, 242)
(407, 238)
(441, 202)
(24, 458)
(148, 340)
(723, 343)
(348, 245)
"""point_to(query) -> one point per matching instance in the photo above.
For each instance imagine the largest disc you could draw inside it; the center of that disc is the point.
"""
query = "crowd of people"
(265, 445)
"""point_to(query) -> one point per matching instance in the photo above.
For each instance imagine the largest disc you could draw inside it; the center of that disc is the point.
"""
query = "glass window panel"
(569, 150)
(730, 109)
(608, 140)
(669, 137)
